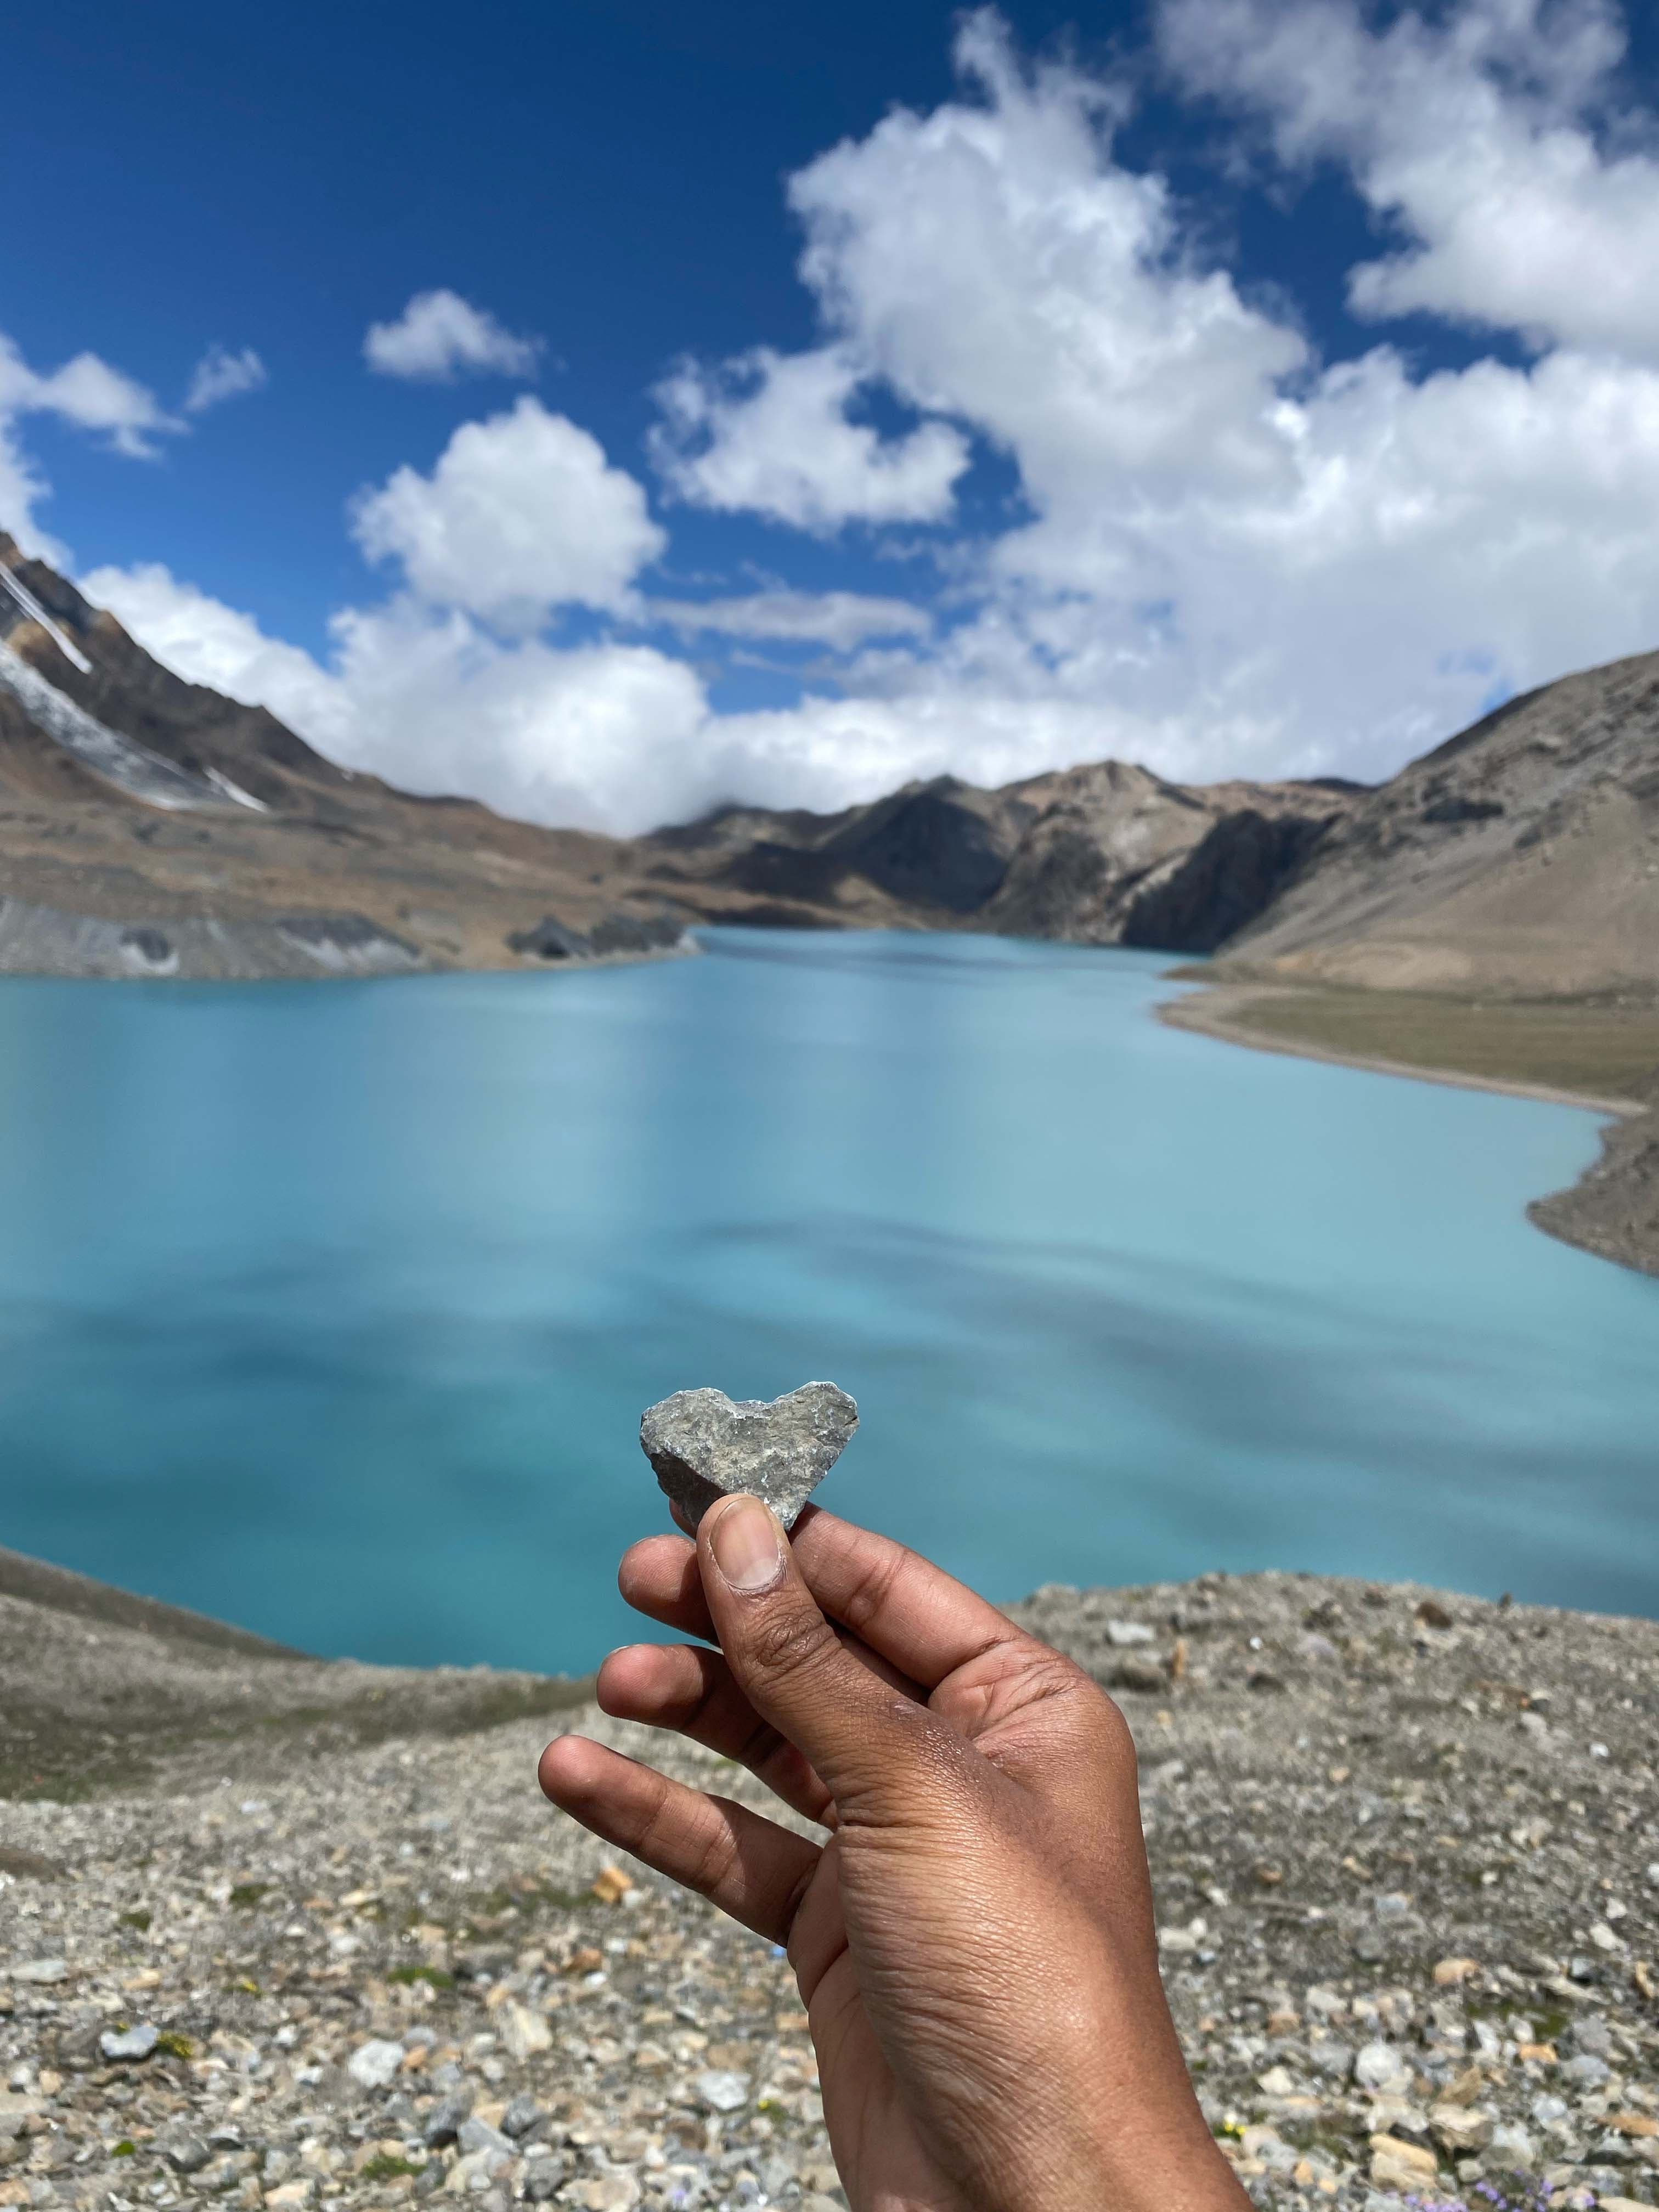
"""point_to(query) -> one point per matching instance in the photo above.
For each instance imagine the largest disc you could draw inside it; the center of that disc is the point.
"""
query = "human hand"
(973, 1943)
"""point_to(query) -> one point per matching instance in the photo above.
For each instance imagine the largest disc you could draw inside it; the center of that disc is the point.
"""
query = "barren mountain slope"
(1102, 854)
(147, 825)
(1521, 857)
(151, 826)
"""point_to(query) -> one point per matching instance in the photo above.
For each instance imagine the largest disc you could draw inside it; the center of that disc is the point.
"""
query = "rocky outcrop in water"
(1613, 1210)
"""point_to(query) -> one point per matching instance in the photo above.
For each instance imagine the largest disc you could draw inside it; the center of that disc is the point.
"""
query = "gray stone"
(443, 2121)
(1511, 2149)
(720, 2091)
(1379, 2066)
(705, 1447)
(374, 2064)
(132, 2043)
(41, 1970)
(1585, 2070)
(543, 2178)
(520, 2116)
(475, 2136)
(184, 2152)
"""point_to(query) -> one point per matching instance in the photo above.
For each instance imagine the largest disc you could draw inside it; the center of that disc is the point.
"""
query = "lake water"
(331, 1308)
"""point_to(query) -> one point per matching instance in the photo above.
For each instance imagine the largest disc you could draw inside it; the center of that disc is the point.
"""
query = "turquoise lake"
(331, 1308)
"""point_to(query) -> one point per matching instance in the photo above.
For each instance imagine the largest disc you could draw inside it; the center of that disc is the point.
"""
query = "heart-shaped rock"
(705, 1445)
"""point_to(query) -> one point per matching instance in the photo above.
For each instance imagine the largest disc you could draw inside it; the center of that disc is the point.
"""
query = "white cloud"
(1229, 556)
(85, 392)
(21, 488)
(607, 736)
(221, 374)
(839, 620)
(205, 641)
(522, 513)
(88, 393)
(1491, 137)
(770, 433)
(440, 336)
(1235, 556)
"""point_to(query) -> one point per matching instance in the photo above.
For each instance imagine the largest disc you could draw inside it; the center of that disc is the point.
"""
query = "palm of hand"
(877, 2145)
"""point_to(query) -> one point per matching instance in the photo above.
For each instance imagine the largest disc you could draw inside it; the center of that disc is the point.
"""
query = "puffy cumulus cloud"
(1235, 554)
(839, 620)
(1492, 136)
(605, 736)
(1229, 554)
(439, 335)
(522, 513)
(770, 433)
(22, 489)
(85, 392)
(221, 374)
(203, 640)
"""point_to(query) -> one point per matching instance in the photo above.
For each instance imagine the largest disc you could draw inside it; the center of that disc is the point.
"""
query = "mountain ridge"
(1519, 857)
(1491, 912)
(139, 810)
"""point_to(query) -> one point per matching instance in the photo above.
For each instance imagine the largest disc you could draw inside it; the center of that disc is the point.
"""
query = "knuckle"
(1049, 1674)
(716, 1854)
(788, 1641)
(703, 1704)
(871, 1589)
(1112, 1735)
(655, 1825)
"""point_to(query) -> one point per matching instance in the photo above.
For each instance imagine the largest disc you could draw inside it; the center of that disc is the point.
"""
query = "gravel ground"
(1406, 1847)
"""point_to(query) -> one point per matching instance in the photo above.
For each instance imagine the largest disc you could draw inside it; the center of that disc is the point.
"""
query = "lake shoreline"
(326, 1936)
(1613, 1211)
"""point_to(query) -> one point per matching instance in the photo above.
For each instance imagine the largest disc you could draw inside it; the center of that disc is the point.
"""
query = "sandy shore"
(1613, 1209)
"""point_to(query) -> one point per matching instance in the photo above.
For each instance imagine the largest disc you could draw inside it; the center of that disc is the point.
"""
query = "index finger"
(922, 1621)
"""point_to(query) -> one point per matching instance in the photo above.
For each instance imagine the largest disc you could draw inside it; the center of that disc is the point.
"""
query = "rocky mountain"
(151, 827)
(1103, 854)
(1520, 859)
(148, 826)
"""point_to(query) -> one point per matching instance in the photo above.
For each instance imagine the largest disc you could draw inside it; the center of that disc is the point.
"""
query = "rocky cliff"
(1520, 858)
(150, 826)
(1106, 853)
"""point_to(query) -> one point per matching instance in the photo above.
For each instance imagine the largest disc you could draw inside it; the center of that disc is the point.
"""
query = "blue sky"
(1244, 386)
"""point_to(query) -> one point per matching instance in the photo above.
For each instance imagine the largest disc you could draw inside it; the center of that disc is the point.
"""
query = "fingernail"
(748, 1545)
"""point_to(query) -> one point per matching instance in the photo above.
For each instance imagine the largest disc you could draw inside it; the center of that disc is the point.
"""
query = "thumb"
(876, 1751)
